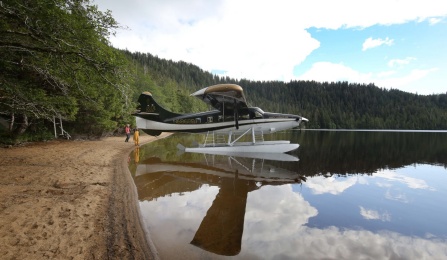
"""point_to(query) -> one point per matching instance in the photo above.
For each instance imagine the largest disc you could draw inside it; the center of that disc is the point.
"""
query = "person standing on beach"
(127, 129)
(136, 137)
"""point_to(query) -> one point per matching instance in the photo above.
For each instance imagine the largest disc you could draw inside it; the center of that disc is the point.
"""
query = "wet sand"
(70, 200)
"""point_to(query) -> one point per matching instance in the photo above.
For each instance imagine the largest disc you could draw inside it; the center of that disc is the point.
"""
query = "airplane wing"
(223, 96)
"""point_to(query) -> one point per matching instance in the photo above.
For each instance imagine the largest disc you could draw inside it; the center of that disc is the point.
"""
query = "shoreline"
(71, 199)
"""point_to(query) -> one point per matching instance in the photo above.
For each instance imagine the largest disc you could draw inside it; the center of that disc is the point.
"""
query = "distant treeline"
(334, 105)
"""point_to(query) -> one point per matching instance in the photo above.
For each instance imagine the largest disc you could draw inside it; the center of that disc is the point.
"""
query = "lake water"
(341, 195)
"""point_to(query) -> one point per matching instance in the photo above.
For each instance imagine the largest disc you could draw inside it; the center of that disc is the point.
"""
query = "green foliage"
(40, 130)
(170, 83)
(56, 61)
(344, 105)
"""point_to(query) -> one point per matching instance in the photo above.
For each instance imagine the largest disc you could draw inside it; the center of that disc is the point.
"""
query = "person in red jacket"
(127, 129)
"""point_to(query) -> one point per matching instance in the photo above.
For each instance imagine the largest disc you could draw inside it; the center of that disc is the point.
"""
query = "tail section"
(148, 105)
(150, 111)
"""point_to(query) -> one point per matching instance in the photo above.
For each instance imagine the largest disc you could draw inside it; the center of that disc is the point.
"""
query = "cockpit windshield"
(256, 112)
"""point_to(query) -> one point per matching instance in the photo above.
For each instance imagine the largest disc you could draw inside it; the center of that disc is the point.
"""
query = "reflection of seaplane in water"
(221, 230)
(224, 126)
(224, 166)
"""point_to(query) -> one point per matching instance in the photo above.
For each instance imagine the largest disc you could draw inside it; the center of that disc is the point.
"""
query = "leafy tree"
(56, 61)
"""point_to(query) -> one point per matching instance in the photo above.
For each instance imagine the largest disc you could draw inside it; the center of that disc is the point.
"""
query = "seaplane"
(225, 125)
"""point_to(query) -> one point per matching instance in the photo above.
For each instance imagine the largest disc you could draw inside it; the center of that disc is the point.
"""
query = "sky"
(394, 44)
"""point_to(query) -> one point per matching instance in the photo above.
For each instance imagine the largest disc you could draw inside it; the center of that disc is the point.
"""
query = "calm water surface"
(341, 195)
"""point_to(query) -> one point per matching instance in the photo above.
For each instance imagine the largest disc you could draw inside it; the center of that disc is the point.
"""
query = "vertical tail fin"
(148, 105)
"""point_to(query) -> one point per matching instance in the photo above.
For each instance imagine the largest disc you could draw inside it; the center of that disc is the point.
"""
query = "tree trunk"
(11, 124)
(22, 126)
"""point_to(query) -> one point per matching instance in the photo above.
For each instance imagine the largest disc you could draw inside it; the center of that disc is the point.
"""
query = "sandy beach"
(70, 200)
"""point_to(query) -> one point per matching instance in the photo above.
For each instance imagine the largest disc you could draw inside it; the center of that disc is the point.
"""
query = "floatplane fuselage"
(231, 116)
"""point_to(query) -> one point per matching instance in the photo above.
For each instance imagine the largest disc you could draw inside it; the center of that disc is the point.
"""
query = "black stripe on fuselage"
(208, 126)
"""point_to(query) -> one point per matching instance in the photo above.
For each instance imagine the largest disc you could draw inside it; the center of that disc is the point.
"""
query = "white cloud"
(412, 183)
(169, 230)
(331, 185)
(434, 20)
(385, 74)
(400, 62)
(374, 214)
(258, 40)
(332, 72)
(373, 43)
(335, 186)
(275, 208)
(274, 216)
(335, 243)
(401, 82)
(396, 196)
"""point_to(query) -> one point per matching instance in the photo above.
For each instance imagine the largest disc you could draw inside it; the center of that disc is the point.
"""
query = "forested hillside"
(170, 83)
(335, 105)
(352, 106)
(56, 62)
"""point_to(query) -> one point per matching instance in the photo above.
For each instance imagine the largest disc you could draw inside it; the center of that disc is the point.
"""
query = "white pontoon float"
(233, 146)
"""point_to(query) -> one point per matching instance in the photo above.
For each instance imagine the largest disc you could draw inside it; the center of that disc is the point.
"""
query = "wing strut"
(236, 114)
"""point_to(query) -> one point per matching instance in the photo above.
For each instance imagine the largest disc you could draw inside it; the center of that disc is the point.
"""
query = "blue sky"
(410, 56)
(391, 43)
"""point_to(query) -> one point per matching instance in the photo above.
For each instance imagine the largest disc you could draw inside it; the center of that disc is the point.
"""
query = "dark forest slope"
(327, 105)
